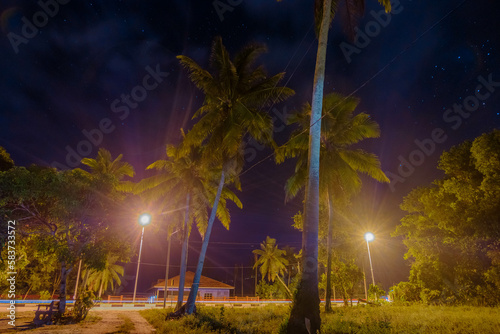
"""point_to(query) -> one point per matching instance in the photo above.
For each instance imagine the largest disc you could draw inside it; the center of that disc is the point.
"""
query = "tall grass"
(358, 319)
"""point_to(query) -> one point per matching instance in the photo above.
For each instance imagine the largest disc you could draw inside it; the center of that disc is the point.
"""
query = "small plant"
(83, 304)
(45, 295)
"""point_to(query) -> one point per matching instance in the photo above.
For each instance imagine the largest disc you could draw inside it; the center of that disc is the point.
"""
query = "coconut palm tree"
(271, 261)
(101, 279)
(340, 165)
(235, 94)
(183, 181)
(304, 316)
(104, 165)
(112, 171)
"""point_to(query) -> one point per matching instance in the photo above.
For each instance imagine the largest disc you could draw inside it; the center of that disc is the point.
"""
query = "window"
(207, 295)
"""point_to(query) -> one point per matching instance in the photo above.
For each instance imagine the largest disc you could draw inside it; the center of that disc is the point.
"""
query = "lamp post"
(166, 273)
(144, 220)
(370, 237)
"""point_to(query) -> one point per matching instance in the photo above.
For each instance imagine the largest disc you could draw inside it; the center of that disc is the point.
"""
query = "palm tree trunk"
(182, 275)
(287, 290)
(77, 279)
(304, 317)
(196, 281)
(328, 303)
(26, 295)
(100, 287)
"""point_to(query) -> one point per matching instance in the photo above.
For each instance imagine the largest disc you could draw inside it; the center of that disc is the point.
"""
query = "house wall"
(216, 293)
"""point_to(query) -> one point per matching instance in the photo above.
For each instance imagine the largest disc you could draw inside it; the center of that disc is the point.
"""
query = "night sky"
(79, 75)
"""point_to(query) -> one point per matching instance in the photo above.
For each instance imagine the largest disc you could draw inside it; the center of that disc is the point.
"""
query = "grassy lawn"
(362, 319)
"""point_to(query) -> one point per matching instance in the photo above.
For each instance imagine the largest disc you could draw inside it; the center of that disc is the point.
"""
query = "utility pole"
(235, 276)
(242, 280)
(255, 291)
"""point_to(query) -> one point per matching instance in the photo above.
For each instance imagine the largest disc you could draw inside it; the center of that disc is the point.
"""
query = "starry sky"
(79, 75)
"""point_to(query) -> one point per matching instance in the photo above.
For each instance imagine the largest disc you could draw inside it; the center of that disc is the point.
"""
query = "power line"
(364, 83)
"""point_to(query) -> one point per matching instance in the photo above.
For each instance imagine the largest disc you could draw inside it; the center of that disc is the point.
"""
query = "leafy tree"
(346, 276)
(70, 212)
(375, 291)
(271, 261)
(235, 94)
(340, 164)
(452, 226)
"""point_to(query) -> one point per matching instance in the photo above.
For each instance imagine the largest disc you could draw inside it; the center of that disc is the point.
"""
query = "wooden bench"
(44, 313)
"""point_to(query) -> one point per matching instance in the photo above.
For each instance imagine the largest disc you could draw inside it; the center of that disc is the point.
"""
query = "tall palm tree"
(111, 170)
(304, 317)
(271, 261)
(184, 181)
(340, 165)
(101, 279)
(235, 93)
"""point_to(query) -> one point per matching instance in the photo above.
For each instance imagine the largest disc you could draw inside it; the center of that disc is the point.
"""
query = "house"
(208, 289)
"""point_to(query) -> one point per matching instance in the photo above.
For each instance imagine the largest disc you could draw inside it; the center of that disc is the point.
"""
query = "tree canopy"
(452, 227)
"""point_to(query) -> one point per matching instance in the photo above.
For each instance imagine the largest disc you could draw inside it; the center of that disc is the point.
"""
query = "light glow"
(144, 219)
(369, 236)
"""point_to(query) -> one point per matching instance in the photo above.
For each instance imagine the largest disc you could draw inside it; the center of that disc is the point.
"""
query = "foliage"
(375, 292)
(452, 227)
(83, 304)
(99, 280)
(346, 276)
(62, 216)
(6, 161)
(275, 290)
(271, 259)
(258, 320)
(405, 292)
(45, 295)
(361, 319)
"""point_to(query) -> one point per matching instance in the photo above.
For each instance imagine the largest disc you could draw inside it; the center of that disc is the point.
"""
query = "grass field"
(360, 319)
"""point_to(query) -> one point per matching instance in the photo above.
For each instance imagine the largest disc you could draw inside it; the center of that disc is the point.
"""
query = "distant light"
(144, 219)
(369, 236)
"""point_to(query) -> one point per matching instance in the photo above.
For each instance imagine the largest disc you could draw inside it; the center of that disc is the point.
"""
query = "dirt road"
(112, 322)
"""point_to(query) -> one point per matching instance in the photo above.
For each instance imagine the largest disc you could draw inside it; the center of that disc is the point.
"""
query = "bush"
(45, 295)
(83, 304)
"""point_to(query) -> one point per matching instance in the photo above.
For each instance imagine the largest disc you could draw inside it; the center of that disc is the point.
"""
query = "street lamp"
(370, 237)
(144, 220)
(166, 273)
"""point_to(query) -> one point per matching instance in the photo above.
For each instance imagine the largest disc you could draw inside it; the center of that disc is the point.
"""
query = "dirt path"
(112, 322)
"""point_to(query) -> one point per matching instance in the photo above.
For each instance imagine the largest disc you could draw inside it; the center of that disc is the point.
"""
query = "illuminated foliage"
(453, 226)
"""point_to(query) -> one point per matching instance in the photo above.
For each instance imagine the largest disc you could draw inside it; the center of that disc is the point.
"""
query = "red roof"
(205, 282)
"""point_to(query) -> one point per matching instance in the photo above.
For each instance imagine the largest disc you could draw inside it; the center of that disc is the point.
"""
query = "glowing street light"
(370, 237)
(144, 220)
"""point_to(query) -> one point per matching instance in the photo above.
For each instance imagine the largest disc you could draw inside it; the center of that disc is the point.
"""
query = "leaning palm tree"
(184, 181)
(271, 261)
(304, 316)
(340, 164)
(236, 92)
